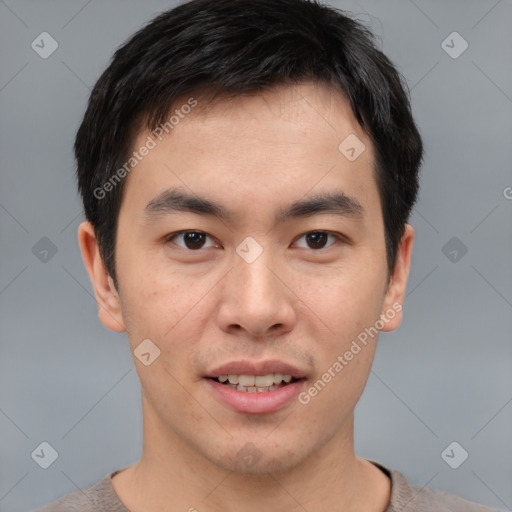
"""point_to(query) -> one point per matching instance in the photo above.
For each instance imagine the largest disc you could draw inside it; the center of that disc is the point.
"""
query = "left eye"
(192, 240)
(318, 239)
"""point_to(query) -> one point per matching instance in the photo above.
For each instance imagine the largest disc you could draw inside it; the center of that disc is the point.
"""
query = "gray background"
(444, 376)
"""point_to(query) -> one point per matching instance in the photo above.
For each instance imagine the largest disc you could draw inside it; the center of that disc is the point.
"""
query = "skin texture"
(205, 307)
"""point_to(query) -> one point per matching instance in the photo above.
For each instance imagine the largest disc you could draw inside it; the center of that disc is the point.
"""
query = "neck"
(172, 475)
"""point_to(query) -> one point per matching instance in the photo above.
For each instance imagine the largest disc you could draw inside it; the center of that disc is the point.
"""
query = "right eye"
(192, 240)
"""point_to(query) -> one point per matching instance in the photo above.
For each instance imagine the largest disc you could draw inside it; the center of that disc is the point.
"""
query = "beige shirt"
(404, 498)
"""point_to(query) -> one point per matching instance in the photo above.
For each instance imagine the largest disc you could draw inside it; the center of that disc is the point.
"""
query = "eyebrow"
(177, 200)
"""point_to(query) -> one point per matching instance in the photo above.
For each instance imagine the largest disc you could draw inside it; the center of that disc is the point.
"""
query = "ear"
(392, 307)
(106, 294)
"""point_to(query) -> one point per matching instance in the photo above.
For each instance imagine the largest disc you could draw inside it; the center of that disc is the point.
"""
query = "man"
(247, 170)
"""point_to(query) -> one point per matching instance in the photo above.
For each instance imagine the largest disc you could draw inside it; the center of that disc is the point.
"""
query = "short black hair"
(235, 47)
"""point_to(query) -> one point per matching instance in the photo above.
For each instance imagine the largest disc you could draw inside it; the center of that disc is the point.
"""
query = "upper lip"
(257, 368)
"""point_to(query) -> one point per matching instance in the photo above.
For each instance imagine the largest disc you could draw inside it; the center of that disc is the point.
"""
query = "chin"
(260, 458)
(266, 466)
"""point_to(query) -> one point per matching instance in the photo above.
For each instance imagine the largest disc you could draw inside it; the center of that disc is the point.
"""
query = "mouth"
(261, 387)
(256, 383)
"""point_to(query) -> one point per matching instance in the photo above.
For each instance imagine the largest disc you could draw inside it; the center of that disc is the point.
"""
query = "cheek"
(165, 314)
(349, 307)
(156, 303)
(336, 391)
(347, 300)
(344, 357)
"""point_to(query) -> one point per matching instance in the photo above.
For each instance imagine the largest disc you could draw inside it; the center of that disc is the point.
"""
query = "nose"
(257, 299)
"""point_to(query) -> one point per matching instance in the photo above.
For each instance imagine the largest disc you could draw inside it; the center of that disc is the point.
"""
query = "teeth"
(255, 383)
(254, 389)
(259, 381)
(264, 380)
(246, 380)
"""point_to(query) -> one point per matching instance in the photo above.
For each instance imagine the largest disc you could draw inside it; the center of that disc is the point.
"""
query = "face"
(249, 244)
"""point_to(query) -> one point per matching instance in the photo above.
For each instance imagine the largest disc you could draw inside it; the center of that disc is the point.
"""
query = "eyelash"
(337, 236)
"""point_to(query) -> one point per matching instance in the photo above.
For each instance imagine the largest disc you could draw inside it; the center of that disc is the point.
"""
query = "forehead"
(282, 141)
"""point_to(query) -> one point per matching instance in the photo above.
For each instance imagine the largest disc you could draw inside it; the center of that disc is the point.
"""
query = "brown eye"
(317, 239)
(192, 240)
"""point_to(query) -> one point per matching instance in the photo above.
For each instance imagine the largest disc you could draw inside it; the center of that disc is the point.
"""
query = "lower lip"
(258, 402)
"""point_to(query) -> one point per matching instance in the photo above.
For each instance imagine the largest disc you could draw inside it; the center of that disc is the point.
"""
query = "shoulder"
(406, 497)
(100, 496)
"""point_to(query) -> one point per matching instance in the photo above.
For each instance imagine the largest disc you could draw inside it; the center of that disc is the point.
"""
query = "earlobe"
(105, 291)
(391, 314)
